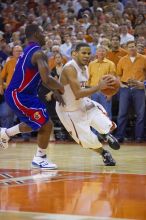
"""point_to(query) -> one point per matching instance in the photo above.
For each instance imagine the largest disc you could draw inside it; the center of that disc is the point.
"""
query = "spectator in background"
(140, 49)
(119, 5)
(51, 60)
(141, 40)
(99, 16)
(116, 51)
(131, 67)
(48, 46)
(7, 32)
(66, 45)
(106, 43)
(140, 25)
(6, 113)
(89, 33)
(4, 50)
(125, 36)
(81, 36)
(94, 7)
(84, 8)
(74, 41)
(85, 21)
(97, 69)
(56, 71)
(15, 40)
(93, 44)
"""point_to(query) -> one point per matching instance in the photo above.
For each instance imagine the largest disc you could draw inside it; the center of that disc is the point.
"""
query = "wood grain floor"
(82, 188)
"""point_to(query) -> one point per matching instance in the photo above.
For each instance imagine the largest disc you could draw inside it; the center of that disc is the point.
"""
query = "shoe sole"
(110, 165)
(43, 168)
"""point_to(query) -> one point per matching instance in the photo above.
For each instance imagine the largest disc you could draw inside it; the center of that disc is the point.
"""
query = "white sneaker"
(4, 138)
(43, 163)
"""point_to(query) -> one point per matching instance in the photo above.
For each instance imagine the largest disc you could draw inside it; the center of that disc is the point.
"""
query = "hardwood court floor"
(81, 189)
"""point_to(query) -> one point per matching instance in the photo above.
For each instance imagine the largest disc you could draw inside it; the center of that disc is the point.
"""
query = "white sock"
(40, 152)
(13, 130)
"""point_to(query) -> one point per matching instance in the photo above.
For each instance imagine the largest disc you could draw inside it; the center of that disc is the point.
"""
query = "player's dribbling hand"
(106, 82)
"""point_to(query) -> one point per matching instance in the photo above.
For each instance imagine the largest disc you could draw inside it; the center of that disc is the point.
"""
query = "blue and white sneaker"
(43, 163)
(4, 138)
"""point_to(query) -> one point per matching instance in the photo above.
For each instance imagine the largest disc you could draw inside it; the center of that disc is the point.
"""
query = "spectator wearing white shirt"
(66, 45)
(86, 21)
(125, 36)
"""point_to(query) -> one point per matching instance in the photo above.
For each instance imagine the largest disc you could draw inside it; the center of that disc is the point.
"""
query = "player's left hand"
(57, 96)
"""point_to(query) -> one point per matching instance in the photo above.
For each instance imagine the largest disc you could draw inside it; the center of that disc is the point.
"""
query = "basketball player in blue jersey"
(21, 95)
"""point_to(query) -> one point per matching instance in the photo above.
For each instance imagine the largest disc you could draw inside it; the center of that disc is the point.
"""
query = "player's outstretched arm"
(41, 60)
(71, 75)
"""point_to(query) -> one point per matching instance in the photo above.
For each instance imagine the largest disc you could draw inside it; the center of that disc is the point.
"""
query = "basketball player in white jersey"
(80, 113)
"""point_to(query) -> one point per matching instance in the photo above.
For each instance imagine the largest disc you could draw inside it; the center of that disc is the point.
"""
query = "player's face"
(83, 55)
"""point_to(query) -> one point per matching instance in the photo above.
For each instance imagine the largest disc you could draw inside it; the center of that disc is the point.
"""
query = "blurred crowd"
(107, 26)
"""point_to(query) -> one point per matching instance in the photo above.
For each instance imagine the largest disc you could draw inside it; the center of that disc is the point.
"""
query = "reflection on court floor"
(83, 189)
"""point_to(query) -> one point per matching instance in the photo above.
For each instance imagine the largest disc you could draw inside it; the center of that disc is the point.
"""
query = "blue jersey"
(21, 94)
(26, 77)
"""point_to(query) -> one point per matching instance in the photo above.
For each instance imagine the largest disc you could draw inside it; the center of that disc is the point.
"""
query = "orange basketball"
(114, 90)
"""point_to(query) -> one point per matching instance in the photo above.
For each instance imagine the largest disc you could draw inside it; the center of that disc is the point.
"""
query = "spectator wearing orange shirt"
(131, 67)
(116, 51)
(6, 114)
(97, 69)
(115, 54)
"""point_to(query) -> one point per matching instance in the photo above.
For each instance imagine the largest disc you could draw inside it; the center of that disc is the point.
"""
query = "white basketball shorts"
(78, 123)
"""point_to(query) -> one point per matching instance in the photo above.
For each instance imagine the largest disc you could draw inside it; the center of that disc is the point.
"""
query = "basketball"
(115, 89)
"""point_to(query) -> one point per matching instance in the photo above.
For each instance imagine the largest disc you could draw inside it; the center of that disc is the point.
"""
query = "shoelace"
(44, 163)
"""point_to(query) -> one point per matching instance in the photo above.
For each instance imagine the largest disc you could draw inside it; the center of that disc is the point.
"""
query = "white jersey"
(78, 116)
(72, 104)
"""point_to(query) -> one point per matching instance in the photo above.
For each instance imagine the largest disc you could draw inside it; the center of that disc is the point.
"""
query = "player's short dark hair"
(82, 44)
(31, 29)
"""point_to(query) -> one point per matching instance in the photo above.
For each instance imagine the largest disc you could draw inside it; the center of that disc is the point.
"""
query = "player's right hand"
(106, 82)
